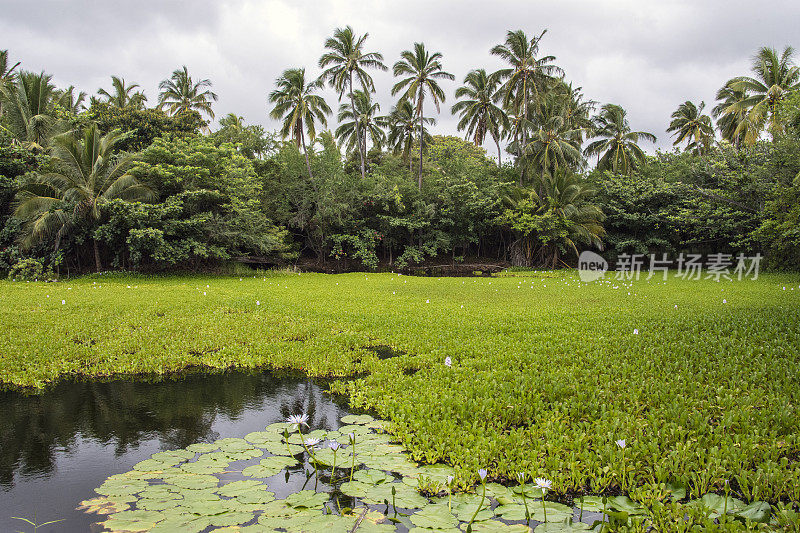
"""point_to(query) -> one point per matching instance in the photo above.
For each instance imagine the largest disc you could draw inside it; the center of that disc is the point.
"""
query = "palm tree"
(71, 100)
(564, 203)
(526, 78)
(87, 174)
(344, 60)
(691, 125)
(122, 95)
(402, 124)
(298, 107)
(422, 70)
(776, 76)
(30, 108)
(617, 147)
(355, 126)
(180, 94)
(734, 124)
(479, 112)
(555, 142)
(7, 74)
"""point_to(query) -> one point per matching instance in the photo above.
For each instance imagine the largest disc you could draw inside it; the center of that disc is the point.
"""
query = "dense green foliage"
(701, 398)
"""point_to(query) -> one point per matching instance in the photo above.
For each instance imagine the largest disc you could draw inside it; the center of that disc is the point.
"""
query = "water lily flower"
(621, 443)
(333, 445)
(482, 473)
(450, 480)
(543, 483)
(351, 436)
(724, 301)
(311, 442)
(258, 302)
(448, 362)
(427, 301)
(298, 420)
(635, 331)
(63, 302)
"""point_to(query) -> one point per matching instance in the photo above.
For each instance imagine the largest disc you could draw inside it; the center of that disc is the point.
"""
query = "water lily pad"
(179, 455)
(307, 499)
(281, 448)
(269, 466)
(405, 497)
(354, 429)
(357, 419)
(593, 504)
(373, 477)
(151, 465)
(202, 447)
(434, 516)
(556, 512)
(136, 520)
(106, 505)
(241, 486)
(325, 457)
(184, 523)
(121, 487)
(231, 518)
(262, 437)
(195, 481)
(493, 526)
(626, 505)
(204, 467)
(567, 526)
(436, 473)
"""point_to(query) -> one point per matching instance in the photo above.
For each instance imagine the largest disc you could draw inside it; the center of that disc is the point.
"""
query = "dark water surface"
(56, 447)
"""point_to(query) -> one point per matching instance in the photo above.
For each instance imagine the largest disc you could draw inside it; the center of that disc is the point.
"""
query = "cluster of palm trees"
(543, 120)
(747, 105)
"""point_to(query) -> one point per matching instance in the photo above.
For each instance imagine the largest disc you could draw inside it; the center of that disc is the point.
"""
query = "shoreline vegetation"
(699, 377)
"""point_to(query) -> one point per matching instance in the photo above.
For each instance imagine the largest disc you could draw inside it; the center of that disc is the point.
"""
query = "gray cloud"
(648, 56)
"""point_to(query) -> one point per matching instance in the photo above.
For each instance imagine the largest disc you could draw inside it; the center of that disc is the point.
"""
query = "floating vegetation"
(225, 486)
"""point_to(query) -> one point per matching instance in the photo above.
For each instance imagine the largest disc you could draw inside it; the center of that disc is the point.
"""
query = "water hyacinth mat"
(351, 479)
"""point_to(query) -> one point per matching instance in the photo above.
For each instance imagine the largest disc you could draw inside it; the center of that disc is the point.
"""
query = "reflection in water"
(56, 447)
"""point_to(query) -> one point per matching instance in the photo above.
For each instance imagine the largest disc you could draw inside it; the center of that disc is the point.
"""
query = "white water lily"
(311, 442)
(298, 419)
(63, 302)
(448, 362)
(635, 331)
(482, 473)
(621, 443)
(543, 483)
(450, 480)
(352, 437)
(333, 445)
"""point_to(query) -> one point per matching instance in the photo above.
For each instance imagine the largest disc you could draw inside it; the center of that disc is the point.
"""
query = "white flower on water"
(352, 437)
(63, 302)
(621, 443)
(448, 362)
(635, 331)
(450, 480)
(724, 301)
(427, 301)
(482, 473)
(543, 483)
(333, 445)
(298, 419)
(311, 442)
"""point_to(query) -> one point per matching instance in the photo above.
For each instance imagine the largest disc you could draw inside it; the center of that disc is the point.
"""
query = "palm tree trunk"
(355, 118)
(305, 153)
(499, 157)
(420, 140)
(98, 265)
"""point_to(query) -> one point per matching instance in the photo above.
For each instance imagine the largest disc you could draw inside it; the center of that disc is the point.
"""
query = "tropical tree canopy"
(691, 126)
(617, 146)
(123, 95)
(180, 93)
(87, 173)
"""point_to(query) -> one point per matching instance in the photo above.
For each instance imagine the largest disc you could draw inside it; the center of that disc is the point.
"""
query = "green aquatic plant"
(545, 485)
(482, 475)
(522, 478)
(36, 525)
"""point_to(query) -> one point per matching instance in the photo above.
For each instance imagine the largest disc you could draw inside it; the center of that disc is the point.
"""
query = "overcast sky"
(648, 56)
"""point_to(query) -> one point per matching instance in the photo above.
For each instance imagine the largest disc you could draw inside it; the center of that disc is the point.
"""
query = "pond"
(58, 446)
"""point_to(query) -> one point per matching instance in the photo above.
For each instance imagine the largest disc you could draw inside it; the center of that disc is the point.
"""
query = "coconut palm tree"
(30, 108)
(478, 109)
(180, 94)
(616, 146)
(732, 125)
(123, 95)
(402, 124)
(299, 108)
(568, 219)
(527, 76)
(421, 69)
(689, 124)
(775, 77)
(87, 173)
(355, 126)
(7, 74)
(555, 143)
(345, 60)
(71, 99)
